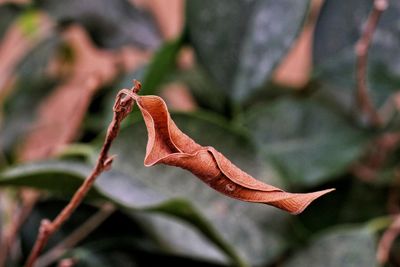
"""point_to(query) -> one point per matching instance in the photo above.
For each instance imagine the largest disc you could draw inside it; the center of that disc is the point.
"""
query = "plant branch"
(18, 219)
(122, 107)
(66, 263)
(363, 98)
(77, 235)
(387, 240)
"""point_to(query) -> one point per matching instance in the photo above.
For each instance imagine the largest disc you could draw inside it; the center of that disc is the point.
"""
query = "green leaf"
(341, 247)
(306, 141)
(239, 43)
(111, 24)
(29, 21)
(206, 93)
(117, 225)
(253, 230)
(63, 178)
(161, 65)
(118, 236)
(338, 28)
(125, 252)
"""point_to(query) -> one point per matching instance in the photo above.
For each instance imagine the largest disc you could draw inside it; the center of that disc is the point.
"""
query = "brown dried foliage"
(61, 113)
(15, 45)
(168, 145)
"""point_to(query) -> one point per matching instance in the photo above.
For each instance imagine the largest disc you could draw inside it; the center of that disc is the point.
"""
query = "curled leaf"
(168, 145)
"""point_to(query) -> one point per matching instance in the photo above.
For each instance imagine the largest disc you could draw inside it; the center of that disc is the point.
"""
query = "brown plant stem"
(66, 263)
(122, 108)
(388, 237)
(362, 46)
(77, 235)
(10, 236)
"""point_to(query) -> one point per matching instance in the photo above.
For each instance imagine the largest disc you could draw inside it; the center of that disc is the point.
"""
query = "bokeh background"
(271, 84)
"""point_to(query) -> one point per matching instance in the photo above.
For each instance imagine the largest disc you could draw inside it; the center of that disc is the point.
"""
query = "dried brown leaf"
(169, 15)
(58, 120)
(15, 45)
(61, 113)
(168, 145)
(178, 97)
(295, 69)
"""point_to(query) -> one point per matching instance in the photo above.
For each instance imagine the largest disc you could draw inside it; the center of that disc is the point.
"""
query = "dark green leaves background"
(334, 55)
(240, 43)
(301, 140)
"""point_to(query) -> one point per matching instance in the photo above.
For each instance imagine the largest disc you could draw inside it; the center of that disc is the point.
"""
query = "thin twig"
(376, 156)
(382, 254)
(19, 218)
(122, 107)
(76, 236)
(67, 263)
(363, 98)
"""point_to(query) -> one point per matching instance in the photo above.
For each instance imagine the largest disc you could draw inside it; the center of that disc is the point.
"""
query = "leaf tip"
(302, 201)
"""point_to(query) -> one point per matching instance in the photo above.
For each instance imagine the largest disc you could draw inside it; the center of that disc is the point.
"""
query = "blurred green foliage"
(302, 140)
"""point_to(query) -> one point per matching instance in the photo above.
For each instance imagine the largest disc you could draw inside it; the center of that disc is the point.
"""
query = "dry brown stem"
(376, 157)
(364, 101)
(66, 263)
(77, 235)
(122, 108)
(19, 217)
(388, 237)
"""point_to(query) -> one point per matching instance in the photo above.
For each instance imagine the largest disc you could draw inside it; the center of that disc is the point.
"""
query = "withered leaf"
(62, 112)
(168, 145)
